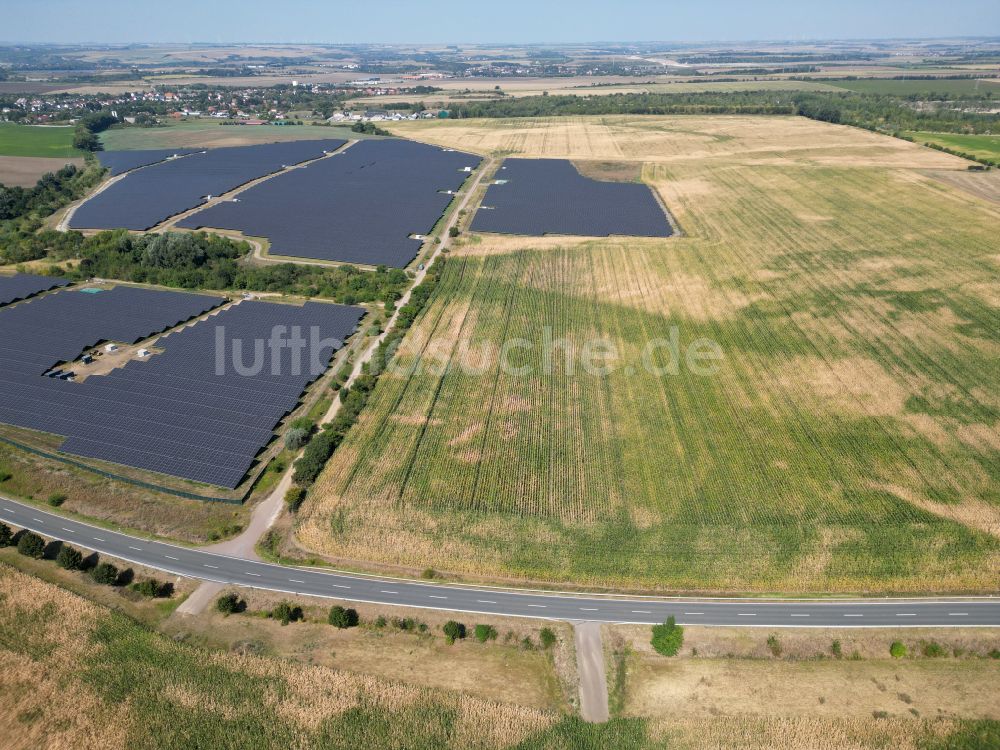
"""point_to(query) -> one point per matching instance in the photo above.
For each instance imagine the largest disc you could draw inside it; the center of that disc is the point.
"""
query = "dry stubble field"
(848, 442)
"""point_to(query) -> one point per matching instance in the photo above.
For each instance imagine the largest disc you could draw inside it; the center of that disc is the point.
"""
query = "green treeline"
(871, 111)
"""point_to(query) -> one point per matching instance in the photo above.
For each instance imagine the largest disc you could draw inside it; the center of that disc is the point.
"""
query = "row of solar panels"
(550, 196)
(24, 285)
(189, 409)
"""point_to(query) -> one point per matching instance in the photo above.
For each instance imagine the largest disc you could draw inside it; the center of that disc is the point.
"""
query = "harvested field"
(25, 171)
(846, 442)
(985, 185)
(212, 134)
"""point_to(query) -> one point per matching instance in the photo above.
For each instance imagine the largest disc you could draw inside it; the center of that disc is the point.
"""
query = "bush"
(4, 476)
(380, 621)
(294, 498)
(6, 535)
(774, 645)
(287, 612)
(229, 604)
(31, 545)
(897, 650)
(295, 438)
(485, 633)
(836, 650)
(668, 637)
(342, 618)
(69, 558)
(547, 637)
(453, 631)
(105, 573)
(453, 231)
(932, 649)
(56, 499)
(149, 588)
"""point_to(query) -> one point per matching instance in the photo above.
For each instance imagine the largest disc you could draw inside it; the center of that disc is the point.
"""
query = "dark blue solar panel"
(24, 285)
(183, 411)
(358, 206)
(119, 162)
(149, 196)
(549, 196)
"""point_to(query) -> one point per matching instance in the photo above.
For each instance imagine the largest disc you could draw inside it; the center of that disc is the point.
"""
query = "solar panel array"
(24, 285)
(149, 196)
(119, 162)
(173, 412)
(549, 196)
(359, 206)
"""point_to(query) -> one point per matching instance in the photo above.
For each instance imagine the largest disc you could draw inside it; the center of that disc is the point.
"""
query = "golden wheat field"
(847, 441)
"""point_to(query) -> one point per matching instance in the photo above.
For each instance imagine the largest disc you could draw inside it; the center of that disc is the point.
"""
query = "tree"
(6, 535)
(668, 637)
(897, 650)
(295, 438)
(69, 558)
(286, 613)
(31, 545)
(84, 140)
(548, 638)
(229, 604)
(453, 631)
(56, 499)
(485, 633)
(294, 498)
(342, 618)
(453, 231)
(149, 588)
(105, 573)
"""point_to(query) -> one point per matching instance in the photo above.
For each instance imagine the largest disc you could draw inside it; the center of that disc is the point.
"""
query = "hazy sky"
(513, 21)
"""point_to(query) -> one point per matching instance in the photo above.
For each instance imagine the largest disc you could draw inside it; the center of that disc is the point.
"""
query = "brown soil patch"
(25, 171)
(971, 512)
(609, 171)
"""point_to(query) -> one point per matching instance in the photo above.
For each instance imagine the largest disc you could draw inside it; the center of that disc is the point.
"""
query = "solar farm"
(24, 285)
(119, 162)
(147, 197)
(360, 206)
(549, 196)
(178, 410)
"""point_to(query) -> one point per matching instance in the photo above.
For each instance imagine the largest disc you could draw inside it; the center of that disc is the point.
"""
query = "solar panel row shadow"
(358, 206)
(549, 196)
(119, 162)
(24, 285)
(149, 196)
(201, 407)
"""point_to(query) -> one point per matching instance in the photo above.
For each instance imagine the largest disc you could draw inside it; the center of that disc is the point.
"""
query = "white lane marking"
(38, 520)
(847, 615)
(958, 614)
(211, 566)
(292, 580)
(256, 575)
(694, 613)
(906, 614)
(537, 605)
(98, 539)
(746, 614)
(641, 612)
(169, 557)
(798, 615)
(339, 586)
(386, 591)
(484, 601)
(69, 530)
(8, 510)
(434, 596)
(588, 609)
(137, 549)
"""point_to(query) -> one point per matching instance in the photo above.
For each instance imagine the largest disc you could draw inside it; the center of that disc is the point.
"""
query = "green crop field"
(211, 133)
(36, 140)
(849, 440)
(983, 146)
(947, 86)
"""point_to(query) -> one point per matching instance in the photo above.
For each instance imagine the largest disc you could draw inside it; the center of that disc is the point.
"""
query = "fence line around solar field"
(135, 482)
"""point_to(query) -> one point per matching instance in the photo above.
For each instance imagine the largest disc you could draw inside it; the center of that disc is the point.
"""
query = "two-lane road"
(199, 564)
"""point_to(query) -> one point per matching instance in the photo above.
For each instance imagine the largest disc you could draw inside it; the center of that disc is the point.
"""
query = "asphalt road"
(195, 563)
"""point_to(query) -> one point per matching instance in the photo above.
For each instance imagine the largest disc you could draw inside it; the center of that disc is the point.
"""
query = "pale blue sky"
(475, 21)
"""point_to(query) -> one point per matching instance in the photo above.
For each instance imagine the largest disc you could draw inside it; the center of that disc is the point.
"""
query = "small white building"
(143, 352)
(111, 348)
